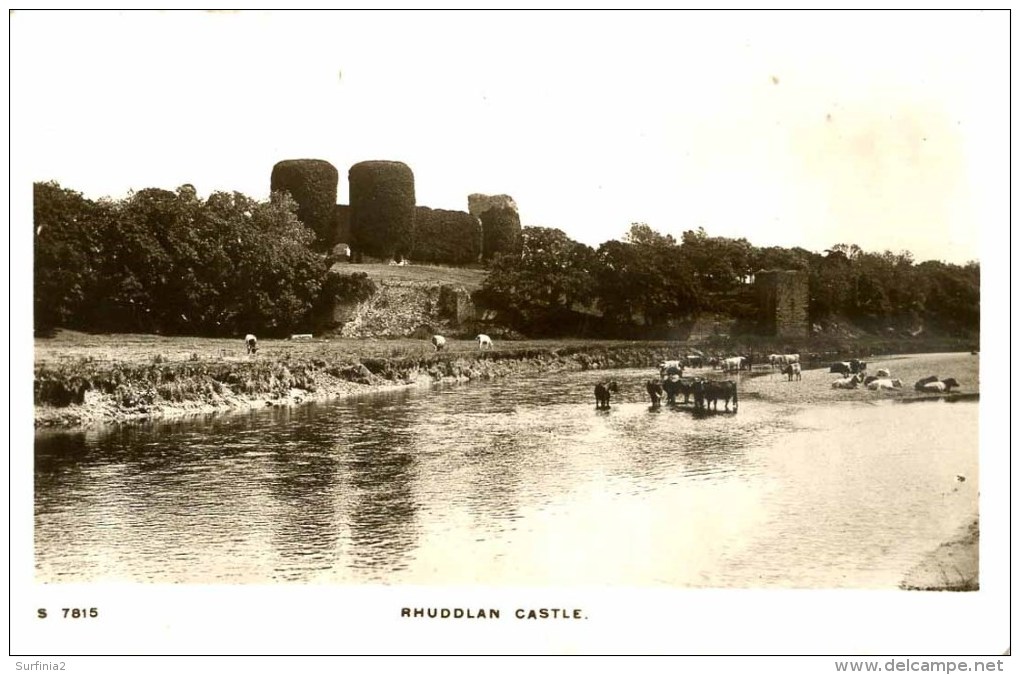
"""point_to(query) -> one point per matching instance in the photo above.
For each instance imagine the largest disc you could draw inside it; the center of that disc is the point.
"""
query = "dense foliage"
(165, 262)
(313, 184)
(382, 209)
(551, 279)
(648, 282)
(448, 237)
(501, 232)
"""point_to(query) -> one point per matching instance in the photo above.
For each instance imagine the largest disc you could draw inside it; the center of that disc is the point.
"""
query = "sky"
(786, 128)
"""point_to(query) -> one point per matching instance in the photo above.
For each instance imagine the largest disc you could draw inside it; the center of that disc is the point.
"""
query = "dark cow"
(654, 388)
(792, 370)
(919, 385)
(693, 360)
(857, 366)
(841, 367)
(678, 385)
(602, 392)
(708, 392)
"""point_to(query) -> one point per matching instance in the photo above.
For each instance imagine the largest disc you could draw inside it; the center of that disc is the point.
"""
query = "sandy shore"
(953, 566)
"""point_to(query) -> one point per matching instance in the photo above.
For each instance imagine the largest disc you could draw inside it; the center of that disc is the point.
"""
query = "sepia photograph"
(509, 332)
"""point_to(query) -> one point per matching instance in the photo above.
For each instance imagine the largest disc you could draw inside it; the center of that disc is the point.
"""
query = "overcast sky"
(887, 130)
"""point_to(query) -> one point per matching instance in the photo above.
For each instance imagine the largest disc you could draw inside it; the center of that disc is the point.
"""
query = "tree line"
(648, 283)
(163, 261)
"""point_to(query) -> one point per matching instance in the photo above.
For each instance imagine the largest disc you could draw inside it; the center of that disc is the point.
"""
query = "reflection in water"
(510, 482)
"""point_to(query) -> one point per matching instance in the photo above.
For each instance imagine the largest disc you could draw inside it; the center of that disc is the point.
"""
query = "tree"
(645, 279)
(549, 279)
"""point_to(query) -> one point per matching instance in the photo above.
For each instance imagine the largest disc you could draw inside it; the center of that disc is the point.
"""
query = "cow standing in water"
(602, 392)
(654, 388)
(251, 343)
(439, 342)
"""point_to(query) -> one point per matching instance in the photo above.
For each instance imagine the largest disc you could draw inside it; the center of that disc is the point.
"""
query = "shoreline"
(953, 566)
(82, 391)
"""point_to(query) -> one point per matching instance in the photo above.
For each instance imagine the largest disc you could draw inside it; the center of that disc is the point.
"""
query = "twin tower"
(383, 221)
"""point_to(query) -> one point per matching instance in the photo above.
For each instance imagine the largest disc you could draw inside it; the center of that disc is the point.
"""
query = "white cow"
(484, 342)
(733, 364)
(251, 343)
(439, 342)
(885, 383)
(847, 382)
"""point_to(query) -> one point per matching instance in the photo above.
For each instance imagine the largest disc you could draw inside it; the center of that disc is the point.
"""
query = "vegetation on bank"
(170, 263)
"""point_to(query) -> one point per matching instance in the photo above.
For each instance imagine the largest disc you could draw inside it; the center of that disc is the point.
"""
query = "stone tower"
(783, 300)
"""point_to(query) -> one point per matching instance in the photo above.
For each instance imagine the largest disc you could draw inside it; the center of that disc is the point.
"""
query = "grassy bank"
(84, 379)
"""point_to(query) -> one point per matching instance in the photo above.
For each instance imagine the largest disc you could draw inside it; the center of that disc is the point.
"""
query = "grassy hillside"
(470, 279)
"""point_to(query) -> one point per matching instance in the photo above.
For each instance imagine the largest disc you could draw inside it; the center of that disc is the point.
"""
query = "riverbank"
(83, 380)
(82, 390)
(953, 566)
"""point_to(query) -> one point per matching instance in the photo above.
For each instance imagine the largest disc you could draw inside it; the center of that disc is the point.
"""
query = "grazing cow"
(883, 372)
(919, 385)
(708, 392)
(774, 360)
(940, 386)
(251, 343)
(850, 382)
(654, 388)
(792, 370)
(602, 392)
(857, 366)
(885, 383)
(484, 342)
(439, 342)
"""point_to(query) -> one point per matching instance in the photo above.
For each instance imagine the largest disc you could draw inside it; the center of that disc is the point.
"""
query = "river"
(511, 482)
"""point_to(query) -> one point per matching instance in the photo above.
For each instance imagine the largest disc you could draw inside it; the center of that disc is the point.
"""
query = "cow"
(841, 367)
(654, 388)
(940, 386)
(792, 370)
(857, 366)
(484, 341)
(883, 372)
(708, 392)
(919, 385)
(693, 360)
(671, 368)
(678, 385)
(773, 360)
(850, 382)
(439, 342)
(602, 392)
(251, 343)
(885, 383)
(734, 364)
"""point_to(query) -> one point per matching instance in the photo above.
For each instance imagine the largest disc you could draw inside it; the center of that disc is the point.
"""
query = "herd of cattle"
(707, 392)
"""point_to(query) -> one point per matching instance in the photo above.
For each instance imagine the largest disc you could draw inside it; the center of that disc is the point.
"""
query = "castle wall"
(783, 299)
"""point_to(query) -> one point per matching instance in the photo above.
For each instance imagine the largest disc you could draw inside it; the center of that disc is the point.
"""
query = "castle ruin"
(783, 299)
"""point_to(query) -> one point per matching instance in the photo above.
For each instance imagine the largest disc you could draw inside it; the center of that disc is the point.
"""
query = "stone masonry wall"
(783, 298)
